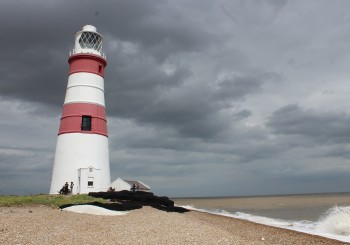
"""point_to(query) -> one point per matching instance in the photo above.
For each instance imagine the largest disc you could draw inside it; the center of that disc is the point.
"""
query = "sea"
(326, 214)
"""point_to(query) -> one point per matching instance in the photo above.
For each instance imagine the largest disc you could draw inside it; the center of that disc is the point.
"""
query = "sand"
(44, 225)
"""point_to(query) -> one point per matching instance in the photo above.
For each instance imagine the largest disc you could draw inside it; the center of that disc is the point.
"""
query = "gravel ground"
(44, 225)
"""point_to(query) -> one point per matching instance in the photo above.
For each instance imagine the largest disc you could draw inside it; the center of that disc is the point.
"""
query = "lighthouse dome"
(89, 28)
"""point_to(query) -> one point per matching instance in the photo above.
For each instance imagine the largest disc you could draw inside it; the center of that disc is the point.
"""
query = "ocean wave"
(334, 224)
(336, 221)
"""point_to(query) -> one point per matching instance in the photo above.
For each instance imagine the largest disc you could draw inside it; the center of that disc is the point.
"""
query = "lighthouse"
(82, 154)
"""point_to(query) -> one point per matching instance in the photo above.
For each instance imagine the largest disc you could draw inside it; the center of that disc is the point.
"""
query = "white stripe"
(85, 87)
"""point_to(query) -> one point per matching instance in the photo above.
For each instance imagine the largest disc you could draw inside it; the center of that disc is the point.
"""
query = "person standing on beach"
(71, 187)
(65, 188)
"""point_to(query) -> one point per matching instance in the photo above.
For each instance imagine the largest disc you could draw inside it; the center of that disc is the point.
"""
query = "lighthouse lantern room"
(82, 155)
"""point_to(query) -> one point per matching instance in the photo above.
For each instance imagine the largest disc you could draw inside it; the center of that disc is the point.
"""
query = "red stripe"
(90, 63)
(72, 118)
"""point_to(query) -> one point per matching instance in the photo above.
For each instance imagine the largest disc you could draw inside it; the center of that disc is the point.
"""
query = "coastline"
(45, 225)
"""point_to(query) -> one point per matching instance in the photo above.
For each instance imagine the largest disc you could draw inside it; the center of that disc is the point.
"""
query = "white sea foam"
(335, 223)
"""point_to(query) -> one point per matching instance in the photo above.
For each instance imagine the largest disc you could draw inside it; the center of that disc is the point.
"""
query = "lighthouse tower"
(82, 154)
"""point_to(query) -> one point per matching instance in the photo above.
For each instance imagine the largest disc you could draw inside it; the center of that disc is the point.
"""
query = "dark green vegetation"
(47, 200)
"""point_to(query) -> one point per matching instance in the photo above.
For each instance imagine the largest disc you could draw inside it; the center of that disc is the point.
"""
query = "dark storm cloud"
(337, 151)
(235, 146)
(25, 161)
(193, 110)
(242, 114)
(319, 126)
(23, 171)
(35, 65)
(135, 81)
(237, 87)
(36, 43)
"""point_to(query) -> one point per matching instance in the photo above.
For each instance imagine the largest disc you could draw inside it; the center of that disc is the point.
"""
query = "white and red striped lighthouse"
(82, 154)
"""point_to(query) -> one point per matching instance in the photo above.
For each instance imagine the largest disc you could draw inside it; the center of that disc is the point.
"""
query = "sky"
(203, 97)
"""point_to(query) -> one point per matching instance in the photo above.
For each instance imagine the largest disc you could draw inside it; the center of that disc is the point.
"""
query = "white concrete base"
(81, 158)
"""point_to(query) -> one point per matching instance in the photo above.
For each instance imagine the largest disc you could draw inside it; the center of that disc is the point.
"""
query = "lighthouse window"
(86, 123)
(90, 181)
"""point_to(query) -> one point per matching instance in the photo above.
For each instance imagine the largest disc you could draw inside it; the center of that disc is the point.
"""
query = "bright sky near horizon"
(203, 97)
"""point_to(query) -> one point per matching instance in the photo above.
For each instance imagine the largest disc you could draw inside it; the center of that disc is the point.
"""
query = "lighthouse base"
(82, 159)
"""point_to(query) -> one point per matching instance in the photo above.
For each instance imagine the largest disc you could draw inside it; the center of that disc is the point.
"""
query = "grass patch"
(47, 200)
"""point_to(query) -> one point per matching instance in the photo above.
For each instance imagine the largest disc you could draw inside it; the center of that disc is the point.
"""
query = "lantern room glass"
(90, 40)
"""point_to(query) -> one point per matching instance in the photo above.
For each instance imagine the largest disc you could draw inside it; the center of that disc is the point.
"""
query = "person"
(133, 188)
(66, 188)
(71, 187)
(138, 187)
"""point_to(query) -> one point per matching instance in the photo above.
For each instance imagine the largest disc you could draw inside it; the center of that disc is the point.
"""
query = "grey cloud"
(136, 84)
(320, 126)
(335, 151)
(187, 111)
(37, 44)
(194, 110)
(23, 171)
(237, 87)
(242, 114)
(231, 145)
(278, 4)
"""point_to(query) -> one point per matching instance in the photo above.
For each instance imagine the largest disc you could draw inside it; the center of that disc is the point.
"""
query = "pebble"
(141, 226)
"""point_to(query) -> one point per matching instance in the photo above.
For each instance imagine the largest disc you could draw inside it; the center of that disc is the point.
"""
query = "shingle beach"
(45, 225)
